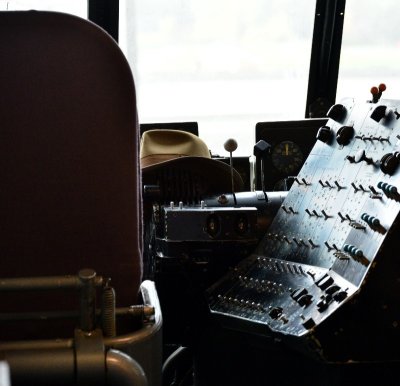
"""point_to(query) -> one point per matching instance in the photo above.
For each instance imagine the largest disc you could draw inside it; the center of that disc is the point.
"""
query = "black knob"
(336, 112)
(378, 113)
(389, 163)
(298, 293)
(324, 134)
(361, 156)
(344, 135)
(262, 149)
(305, 300)
(322, 305)
(276, 312)
(340, 296)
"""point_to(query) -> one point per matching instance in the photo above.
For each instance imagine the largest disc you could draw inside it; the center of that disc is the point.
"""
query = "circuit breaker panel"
(326, 276)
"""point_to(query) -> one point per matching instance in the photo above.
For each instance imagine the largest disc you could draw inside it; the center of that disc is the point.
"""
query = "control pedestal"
(325, 276)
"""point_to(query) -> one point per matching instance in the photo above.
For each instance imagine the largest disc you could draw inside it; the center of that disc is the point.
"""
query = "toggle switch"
(313, 245)
(284, 209)
(354, 187)
(261, 150)
(361, 156)
(326, 215)
(372, 189)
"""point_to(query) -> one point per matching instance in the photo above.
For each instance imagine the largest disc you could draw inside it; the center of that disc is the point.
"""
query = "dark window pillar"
(325, 56)
(105, 13)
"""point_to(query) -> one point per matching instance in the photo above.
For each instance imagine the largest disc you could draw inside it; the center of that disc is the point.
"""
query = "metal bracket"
(90, 358)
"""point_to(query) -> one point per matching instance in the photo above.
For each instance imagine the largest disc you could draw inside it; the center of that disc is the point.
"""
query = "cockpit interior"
(199, 193)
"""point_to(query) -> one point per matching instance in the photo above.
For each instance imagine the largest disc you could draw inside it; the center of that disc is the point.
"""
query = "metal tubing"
(122, 370)
(45, 315)
(57, 367)
(137, 311)
(36, 345)
(44, 367)
(150, 297)
(44, 283)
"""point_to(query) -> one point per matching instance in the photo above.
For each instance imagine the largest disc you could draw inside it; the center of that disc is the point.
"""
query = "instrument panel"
(291, 142)
(325, 278)
(287, 157)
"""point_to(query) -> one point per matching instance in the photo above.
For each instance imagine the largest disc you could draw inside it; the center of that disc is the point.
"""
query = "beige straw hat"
(177, 149)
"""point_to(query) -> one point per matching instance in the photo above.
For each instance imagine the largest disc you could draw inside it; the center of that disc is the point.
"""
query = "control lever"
(231, 145)
(377, 92)
(262, 149)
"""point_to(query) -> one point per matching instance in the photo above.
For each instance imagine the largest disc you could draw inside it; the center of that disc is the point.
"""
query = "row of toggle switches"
(241, 303)
(387, 188)
(261, 285)
(279, 266)
(370, 220)
(298, 242)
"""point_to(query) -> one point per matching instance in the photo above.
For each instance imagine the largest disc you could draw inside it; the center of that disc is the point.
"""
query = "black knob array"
(328, 251)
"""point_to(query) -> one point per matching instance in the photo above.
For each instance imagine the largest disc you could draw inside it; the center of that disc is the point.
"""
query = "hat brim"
(217, 174)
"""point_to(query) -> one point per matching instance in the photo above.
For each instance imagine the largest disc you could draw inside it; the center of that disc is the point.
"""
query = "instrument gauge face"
(287, 157)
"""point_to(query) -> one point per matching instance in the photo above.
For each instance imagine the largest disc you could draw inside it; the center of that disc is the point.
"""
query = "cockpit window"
(227, 64)
(370, 49)
(75, 7)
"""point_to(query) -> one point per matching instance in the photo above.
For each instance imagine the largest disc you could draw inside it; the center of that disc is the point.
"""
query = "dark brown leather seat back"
(69, 173)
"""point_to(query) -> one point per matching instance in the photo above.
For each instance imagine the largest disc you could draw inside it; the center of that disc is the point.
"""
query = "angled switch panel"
(332, 245)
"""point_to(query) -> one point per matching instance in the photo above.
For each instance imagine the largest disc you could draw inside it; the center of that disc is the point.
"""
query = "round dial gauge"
(287, 157)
